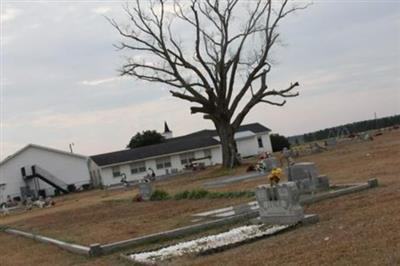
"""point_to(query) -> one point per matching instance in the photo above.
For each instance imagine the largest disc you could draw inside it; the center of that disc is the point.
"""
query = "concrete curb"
(74, 248)
(333, 194)
(179, 232)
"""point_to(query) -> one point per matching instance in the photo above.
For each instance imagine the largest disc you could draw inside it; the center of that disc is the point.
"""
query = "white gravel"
(232, 236)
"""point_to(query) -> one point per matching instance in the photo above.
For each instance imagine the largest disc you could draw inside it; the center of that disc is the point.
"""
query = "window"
(163, 163)
(187, 158)
(116, 172)
(260, 142)
(207, 154)
(137, 168)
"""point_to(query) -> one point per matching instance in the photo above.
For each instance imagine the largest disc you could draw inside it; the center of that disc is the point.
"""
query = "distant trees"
(279, 142)
(353, 128)
(147, 137)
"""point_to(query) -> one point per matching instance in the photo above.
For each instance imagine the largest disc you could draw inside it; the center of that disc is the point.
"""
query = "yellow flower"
(276, 171)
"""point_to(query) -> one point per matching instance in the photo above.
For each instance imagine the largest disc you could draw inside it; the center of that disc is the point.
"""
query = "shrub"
(198, 194)
(181, 195)
(202, 193)
(3, 228)
(159, 195)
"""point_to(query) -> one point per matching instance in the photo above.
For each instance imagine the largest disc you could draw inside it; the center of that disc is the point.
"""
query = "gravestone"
(269, 164)
(323, 182)
(304, 170)
(306, 176)
(279, 204)
(316, 148)
(145, 190)
(331, 142)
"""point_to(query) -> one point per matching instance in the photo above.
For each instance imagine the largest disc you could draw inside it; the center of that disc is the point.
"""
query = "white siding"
(216, 154)
(108, 178)
(266, 142)
(247, 146)
(69, 169)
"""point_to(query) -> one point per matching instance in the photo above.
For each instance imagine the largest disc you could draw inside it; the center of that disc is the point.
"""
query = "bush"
(3, 228)
(159, 195)
(202, 193)
(181, 195)
(198, 194)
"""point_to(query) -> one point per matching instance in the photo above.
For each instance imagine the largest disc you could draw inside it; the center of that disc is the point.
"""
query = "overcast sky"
(60, 85)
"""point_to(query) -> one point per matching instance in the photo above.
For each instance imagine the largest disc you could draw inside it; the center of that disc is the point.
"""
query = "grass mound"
(202, 193)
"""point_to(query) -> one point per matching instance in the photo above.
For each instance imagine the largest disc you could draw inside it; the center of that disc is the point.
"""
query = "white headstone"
(145, 190)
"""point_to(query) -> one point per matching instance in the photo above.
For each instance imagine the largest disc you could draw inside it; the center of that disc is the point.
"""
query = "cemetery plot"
(342, 224)
(207, 243)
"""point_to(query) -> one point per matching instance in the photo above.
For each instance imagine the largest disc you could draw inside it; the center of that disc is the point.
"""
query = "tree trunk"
(229, 149)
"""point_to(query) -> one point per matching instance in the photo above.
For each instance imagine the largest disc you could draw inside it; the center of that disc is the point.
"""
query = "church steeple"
(167, 132)
(166, 128)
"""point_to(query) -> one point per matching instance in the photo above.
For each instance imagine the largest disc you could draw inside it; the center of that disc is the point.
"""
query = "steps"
(45, 176)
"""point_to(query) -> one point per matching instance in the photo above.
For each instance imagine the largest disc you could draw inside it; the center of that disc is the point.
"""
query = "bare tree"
(224, 71)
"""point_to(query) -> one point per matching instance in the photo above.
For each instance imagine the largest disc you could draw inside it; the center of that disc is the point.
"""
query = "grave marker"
(279, 204)
(269, 164)
(306, 176)
(145, 190)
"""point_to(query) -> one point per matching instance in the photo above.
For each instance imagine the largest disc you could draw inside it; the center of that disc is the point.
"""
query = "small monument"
(279, 204)
(306, 177)
(269, 163)
(331, 142)
(145, 190)
(316, 148)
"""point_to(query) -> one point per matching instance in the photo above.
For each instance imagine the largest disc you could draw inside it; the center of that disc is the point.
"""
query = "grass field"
(358, 229)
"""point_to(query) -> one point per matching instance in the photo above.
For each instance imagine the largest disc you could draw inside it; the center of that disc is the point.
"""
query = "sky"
(60, 83)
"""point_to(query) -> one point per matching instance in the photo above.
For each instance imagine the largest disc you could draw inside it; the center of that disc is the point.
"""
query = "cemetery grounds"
(357, 229)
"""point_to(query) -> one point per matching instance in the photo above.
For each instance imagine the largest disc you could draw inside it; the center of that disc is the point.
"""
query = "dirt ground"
(358, 229)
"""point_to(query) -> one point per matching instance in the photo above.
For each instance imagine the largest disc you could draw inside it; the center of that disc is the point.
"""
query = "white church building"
(36, 170)
(174, 154)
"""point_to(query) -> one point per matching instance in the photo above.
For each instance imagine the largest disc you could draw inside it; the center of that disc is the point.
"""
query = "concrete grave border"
(308, 219)
(343, 190)
(74, 248)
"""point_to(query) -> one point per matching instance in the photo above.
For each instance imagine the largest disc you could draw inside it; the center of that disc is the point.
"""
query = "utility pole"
(70, 147)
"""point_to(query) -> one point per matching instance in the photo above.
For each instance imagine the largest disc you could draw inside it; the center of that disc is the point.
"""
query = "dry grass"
(118, 219)
(108, 216)
(361, 228)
